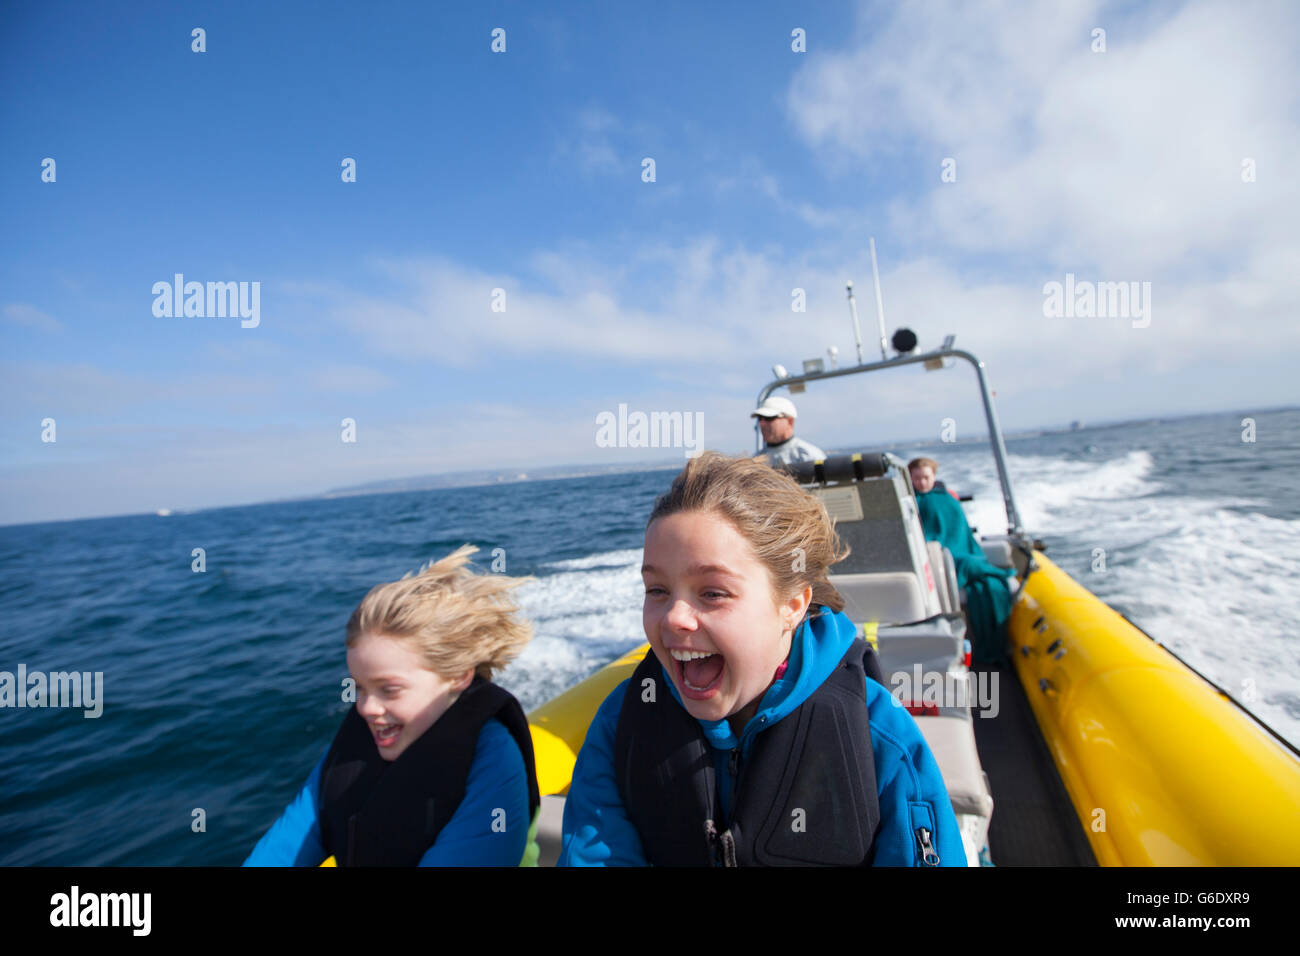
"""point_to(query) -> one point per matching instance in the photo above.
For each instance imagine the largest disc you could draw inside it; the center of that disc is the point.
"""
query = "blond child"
(434, 764)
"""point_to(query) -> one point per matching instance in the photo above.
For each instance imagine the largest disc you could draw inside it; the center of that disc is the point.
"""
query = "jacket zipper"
(720, 843)
(927, 850)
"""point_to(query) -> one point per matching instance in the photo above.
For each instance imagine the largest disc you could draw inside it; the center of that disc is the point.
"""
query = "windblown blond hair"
(455, 618)
(789, 529)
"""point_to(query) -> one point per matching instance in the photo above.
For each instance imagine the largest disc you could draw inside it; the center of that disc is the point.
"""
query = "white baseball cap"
(775, 407)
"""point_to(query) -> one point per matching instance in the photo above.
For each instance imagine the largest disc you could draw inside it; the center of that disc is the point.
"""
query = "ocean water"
(221, 689)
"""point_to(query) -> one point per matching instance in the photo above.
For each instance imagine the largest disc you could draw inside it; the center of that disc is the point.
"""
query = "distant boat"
(1075, 426)
(163, 512)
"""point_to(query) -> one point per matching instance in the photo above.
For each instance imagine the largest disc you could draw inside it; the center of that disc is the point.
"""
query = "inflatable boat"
(1092, 744)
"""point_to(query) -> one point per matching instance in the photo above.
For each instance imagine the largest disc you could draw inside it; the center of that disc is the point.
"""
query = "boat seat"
(952, 741)
(868, 497)
(945, 577)
(998, 552)
(550, 830)
(888, 596)
(936, 646)
(946, 631)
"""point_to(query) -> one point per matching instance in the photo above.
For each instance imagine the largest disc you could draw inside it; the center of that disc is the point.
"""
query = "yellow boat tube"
(560, 725)
(1162, 768)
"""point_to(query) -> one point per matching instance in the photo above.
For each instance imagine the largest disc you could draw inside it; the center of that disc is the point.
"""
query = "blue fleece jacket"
(597, 831)
(497, 781)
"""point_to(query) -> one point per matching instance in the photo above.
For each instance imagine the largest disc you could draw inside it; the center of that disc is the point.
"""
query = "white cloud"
(86, 390)
(589, 143)
(674, 304)
(20, 313)
(347, 379)
(1128, 161)
(700, 305)
(752, 178)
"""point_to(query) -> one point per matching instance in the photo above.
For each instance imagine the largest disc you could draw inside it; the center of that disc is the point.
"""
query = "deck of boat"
(1033, 823)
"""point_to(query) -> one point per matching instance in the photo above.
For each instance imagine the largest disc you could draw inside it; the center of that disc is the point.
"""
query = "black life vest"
(377, 812)
(805, 797)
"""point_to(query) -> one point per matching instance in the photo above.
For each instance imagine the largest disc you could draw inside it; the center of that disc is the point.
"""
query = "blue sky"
(522, 171)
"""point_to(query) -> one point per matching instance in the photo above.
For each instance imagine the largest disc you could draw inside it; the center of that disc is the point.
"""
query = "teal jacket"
(912, 796)
(988, 597)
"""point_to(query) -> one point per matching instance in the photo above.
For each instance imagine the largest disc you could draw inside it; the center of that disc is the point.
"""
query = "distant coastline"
(480, 477)
(484, 476)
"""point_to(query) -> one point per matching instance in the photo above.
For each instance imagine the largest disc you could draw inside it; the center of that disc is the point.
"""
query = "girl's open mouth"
(386, 735)
(698, 672)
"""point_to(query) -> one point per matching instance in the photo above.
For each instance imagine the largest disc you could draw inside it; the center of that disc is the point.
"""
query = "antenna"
(857, 329)
(880, 306)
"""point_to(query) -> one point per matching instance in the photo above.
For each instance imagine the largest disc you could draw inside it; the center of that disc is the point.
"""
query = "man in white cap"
(776, 421)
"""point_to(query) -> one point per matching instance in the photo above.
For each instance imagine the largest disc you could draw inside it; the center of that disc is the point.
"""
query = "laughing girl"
(434, 764)
(752, 734)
